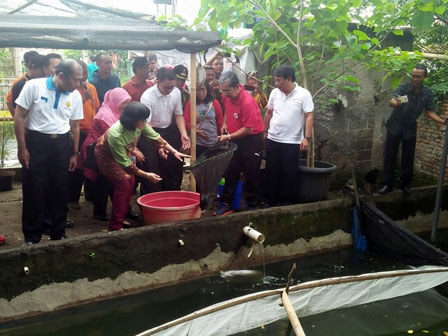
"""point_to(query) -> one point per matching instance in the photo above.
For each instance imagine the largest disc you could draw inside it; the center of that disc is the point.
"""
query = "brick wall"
(355, 135)
(430, 141)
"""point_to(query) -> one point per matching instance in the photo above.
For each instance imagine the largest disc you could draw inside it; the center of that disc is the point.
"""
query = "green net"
(209, 168)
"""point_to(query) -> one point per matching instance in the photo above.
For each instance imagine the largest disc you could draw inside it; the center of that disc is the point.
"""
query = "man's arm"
(180, 122)
(10, 108)
(19, 128)
(435, 117)
(74, 128)
(395, 102)
(241, 133)
(309, 121)
(211, 60)
(266, 121)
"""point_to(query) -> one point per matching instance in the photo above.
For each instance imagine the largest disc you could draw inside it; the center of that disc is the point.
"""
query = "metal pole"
(435, 223)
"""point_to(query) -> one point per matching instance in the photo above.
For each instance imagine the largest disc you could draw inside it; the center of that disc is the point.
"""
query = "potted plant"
(6, 135)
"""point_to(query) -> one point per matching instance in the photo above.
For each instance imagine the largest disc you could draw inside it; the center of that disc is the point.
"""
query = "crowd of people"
(64, 111)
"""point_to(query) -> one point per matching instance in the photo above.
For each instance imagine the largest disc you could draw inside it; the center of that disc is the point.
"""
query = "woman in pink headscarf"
(115, 101)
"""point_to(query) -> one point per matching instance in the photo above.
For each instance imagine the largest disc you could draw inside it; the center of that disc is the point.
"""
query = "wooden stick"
(306, 285)
(355, 186)
(193, 117)
(297, 327)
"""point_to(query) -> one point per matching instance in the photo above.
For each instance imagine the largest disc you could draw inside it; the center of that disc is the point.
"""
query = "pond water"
(136, 313)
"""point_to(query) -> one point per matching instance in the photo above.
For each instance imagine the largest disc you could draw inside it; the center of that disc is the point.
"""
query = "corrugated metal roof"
(74, 24)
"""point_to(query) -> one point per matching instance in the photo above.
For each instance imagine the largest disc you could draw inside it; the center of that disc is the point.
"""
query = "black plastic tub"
(6, 179)
(314, 182)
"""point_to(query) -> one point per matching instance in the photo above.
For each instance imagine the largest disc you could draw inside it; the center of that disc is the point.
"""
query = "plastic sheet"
(251, 311)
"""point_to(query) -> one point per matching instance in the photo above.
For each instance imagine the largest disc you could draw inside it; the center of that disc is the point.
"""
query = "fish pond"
(424, 313)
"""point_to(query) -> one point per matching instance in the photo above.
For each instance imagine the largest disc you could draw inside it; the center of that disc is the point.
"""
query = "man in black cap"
(181, 73)
(153, 67)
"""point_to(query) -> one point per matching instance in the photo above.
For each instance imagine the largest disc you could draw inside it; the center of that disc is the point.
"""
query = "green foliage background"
(325, 38)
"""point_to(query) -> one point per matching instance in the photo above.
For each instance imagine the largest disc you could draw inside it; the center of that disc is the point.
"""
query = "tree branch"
(257, 4)
(299, 49)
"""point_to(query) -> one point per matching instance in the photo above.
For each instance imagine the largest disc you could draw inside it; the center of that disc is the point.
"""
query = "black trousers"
(170, 170)
(282, 162)
(101, 190)
(246, 160)
(45, 185)
(76, 178)
(390, 158)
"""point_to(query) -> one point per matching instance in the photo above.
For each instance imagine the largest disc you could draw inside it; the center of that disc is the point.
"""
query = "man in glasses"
(167, 118)
(48, 109)
(243, 126)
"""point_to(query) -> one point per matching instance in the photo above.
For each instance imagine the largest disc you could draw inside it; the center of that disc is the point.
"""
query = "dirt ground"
(11, 213)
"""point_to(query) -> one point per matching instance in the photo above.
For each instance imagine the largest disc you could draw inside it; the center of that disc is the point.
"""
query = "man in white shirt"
(167, 118)
(47, 110)
(288, 124)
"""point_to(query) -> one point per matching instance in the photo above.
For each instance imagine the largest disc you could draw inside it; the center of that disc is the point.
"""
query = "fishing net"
(397, 242)
(209, 168)
(310, 298)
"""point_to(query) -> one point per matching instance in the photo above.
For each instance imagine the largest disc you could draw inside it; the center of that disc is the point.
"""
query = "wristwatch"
(308, 138)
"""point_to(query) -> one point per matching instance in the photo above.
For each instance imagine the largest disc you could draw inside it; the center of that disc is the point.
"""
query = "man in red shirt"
(140, 82)
(242, 125)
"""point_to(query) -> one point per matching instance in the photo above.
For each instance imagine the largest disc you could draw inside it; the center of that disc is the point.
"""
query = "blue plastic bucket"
(236, 202)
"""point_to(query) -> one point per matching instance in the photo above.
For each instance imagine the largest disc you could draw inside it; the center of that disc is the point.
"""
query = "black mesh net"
(397, 242)
(209, 168)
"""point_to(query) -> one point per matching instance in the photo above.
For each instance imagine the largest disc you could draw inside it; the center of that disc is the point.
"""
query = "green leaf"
(440, 10)
(395, 81)
(277, 15)
(422, 20)
(269, 53)
(398, 32)
(356, 3)
(366, 46)
(375, 41)
(361, 35)
(247, 41)
(427, 7)
(352, 79)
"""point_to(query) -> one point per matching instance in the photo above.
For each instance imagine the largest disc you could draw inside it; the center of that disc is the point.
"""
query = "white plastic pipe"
(253, 234)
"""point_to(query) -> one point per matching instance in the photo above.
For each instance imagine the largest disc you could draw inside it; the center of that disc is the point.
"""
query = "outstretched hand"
(185, 142)
(181, 156)
(154, 178)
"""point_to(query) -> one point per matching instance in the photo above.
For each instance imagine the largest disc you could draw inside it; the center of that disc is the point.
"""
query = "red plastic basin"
(169, 206)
